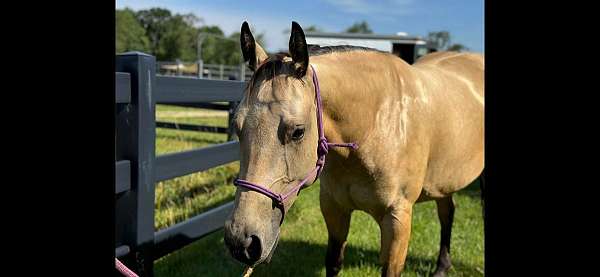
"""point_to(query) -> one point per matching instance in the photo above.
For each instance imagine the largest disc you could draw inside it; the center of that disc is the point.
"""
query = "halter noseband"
(322, 150)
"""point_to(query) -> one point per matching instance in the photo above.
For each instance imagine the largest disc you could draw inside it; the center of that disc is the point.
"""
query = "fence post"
(136, 142)
(179, 66)
(200, 68)
(243, 72)
(221, 72)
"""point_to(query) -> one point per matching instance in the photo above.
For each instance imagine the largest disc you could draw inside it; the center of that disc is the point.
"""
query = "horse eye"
(298, 134)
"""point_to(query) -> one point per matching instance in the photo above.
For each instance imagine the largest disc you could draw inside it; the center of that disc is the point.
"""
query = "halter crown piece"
(322, 151)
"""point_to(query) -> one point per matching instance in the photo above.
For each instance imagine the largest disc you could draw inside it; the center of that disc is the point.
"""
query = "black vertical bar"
(138, 146)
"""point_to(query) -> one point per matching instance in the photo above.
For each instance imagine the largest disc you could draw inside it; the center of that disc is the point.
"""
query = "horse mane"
(274, 63)
(317, 50)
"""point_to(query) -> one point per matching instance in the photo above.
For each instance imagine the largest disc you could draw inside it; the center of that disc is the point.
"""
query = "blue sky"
(462, 18)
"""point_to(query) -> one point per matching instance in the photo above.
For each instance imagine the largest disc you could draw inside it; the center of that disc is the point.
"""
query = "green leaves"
(130, 34)
(442, 41)
(172, 37)
(457, 47)
(360, 27)
(439, 40)
(177, 39)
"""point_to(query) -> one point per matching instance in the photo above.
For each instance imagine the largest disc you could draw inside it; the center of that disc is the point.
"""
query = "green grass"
(303, 239)
(181, 198)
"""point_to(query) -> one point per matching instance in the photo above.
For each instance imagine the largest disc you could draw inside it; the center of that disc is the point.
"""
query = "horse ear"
(252, 52)
(299, 49)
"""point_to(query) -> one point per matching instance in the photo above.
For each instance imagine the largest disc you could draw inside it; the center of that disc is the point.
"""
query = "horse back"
(467, 66)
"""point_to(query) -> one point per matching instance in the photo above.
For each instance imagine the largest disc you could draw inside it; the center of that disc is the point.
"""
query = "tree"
(457, 47)
(130, 35)
(211, 44)
(179, 39)
(439, 40)
(154, 21)
(219, 49)
(360, 27)
(311, 28)
(171, 37)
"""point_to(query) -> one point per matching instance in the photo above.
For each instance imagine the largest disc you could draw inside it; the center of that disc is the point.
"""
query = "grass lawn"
(303, 239)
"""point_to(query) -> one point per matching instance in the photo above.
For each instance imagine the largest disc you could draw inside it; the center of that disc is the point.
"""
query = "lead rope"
(248, 271)
(123, 269)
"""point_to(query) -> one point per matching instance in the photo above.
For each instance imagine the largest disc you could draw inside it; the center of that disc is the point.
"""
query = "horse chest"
(374, 177)
(356, 189)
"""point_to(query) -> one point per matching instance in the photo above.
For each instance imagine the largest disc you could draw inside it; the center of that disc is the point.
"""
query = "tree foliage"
(130, 34)
(172, 37)
(360, 27)
(442, 41)
(220, 49)
(457, 47)
(311, 28)
(439, 40)
(154, 22)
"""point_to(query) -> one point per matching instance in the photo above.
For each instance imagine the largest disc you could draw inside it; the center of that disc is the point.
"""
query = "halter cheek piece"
(322, 150)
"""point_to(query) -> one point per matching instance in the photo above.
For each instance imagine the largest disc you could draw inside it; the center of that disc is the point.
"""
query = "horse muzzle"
(248, 245)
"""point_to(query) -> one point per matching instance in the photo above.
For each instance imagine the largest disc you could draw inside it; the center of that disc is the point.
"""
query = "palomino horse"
(419, 131)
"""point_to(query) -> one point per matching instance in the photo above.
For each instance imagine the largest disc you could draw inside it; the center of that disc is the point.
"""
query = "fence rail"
(191, 127)
(174, 165)
(137, 91)
(186, 90)
(209, 71)
(210, 106)
(181, 234)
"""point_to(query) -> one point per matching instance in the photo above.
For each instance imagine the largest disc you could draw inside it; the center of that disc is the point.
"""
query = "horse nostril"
(247, 242)
(253, 249)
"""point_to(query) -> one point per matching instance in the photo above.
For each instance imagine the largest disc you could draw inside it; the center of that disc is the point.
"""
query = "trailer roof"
(364, 36)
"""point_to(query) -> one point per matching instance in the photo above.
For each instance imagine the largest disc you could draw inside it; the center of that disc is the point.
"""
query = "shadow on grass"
(472, 190)
(291, 258)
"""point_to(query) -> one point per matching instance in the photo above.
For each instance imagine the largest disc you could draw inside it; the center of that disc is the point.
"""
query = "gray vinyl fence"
(137, 169)
(208, 71)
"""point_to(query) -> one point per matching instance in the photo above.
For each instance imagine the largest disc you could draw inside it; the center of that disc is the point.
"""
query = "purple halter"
(322, 151)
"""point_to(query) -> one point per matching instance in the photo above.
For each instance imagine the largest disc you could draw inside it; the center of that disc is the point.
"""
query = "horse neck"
(353, 87)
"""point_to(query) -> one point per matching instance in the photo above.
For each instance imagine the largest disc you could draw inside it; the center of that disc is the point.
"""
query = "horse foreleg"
(395, 235)
(445, 209)
(337, 220)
